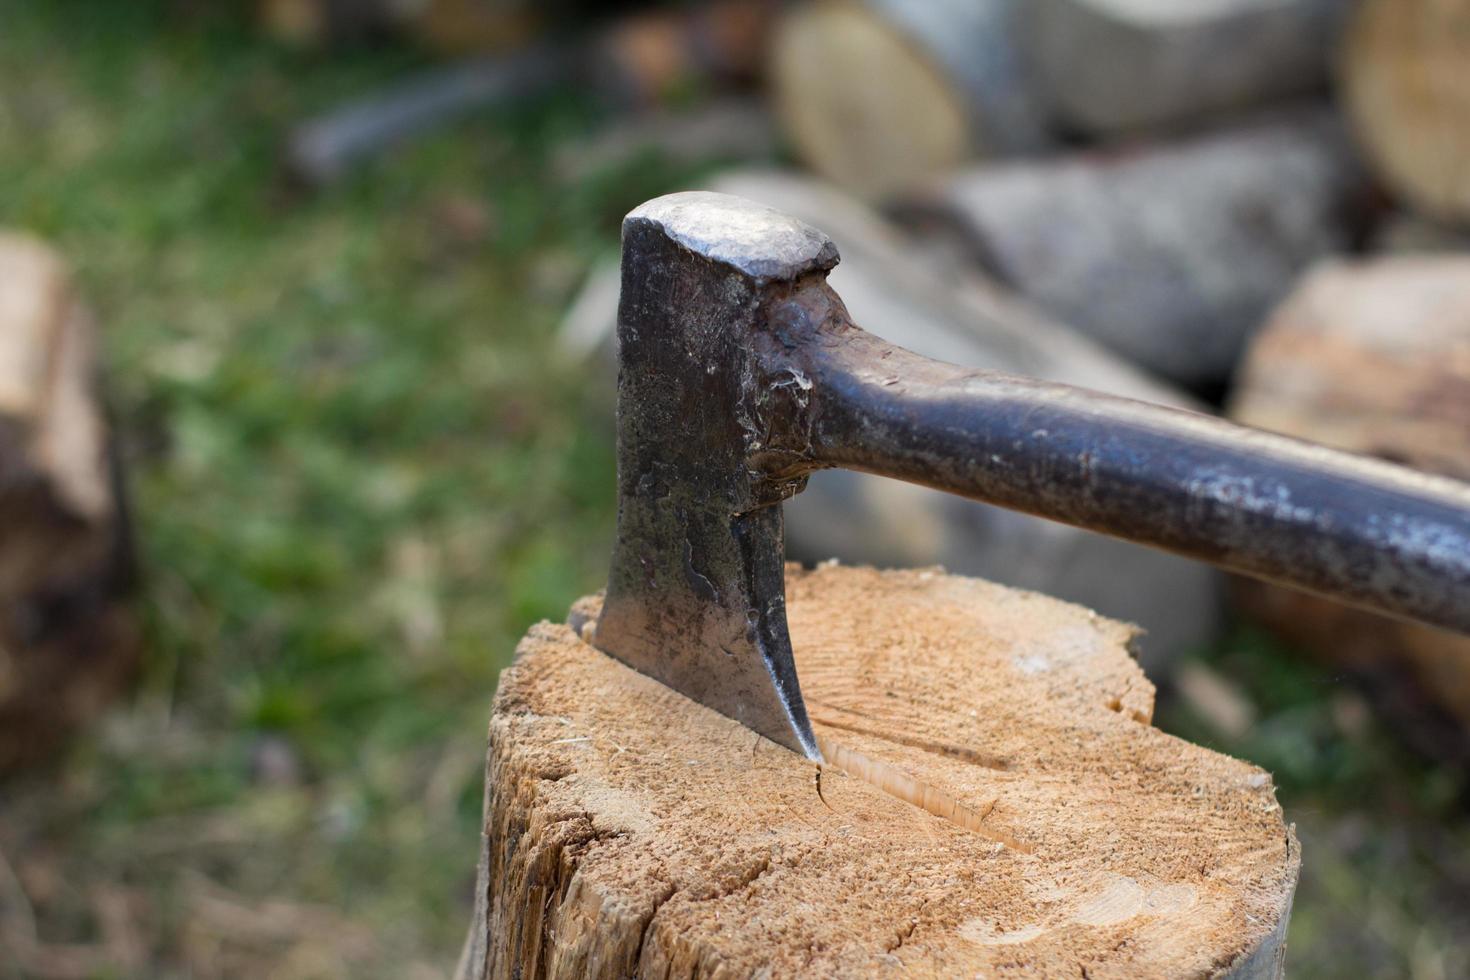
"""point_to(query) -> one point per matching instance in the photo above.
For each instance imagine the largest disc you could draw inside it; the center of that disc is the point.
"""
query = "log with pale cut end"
(1372, 357)
(878, 95)
(67, 641)
(1406, 77)
(995, 800)
(1110, 66)
(1170, 253)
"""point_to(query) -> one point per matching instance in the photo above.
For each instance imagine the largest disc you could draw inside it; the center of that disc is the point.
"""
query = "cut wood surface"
(1372, 357)
(878, 95)
(994, 801)
(1406, 78)
(1110, 66)
(67, 642)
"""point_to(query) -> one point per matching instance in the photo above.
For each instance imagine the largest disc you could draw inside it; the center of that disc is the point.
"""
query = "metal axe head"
(696, 594)
(740, 373)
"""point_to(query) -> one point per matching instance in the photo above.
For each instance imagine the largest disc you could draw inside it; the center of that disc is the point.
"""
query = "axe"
(740, 374)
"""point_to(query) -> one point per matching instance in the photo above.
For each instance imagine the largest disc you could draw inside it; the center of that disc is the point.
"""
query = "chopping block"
(967, 782)
(995, 801)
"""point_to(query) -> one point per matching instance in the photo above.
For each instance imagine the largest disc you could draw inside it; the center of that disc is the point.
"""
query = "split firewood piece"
(994, 799)
(1372, 357)
(1111, 66)
(67, 643)
(1170, 254)
(1406, 77)
(878, 95)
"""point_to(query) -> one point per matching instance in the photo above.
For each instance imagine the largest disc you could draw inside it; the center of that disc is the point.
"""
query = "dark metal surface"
(741, 374)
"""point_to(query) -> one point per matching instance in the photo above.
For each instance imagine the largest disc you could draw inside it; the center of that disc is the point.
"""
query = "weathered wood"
(66, 641)
(1112, 66)
(1170, 254)
(1372, 357)
(1406, 81)
(995, 801)
(879, 94)
(932, 304)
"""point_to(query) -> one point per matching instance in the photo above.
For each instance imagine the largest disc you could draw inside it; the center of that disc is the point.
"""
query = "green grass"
(359, 473)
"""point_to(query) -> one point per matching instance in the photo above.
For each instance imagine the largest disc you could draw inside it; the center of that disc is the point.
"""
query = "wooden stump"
(1406, 77)
(1372, 357)
(995, 801)
(67, 639)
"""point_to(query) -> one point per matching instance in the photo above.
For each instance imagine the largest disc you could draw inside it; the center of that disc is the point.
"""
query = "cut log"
(1406, 78)
(1170, 255)
(879, 95)
(1113, 66)
(938, 308)
(1372, 357)
(995, 801)
(67, 643)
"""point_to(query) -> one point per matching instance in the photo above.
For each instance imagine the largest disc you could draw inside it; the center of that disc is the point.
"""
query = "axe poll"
(740, 374)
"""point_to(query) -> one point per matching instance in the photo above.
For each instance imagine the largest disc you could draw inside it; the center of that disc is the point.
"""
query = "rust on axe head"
(740, 373)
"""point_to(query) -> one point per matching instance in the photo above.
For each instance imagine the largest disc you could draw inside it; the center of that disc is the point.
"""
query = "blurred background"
(306, 406)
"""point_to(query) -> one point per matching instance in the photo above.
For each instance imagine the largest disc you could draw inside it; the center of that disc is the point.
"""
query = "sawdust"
(633, 832)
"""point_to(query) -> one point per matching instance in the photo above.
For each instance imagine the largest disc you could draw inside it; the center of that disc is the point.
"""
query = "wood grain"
(631, 832)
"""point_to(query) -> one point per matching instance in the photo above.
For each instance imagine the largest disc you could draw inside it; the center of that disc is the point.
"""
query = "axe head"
(696, 593)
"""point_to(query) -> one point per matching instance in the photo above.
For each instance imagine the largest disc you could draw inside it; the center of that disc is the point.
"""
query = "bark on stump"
(67, 641)
(1372, 357)
(994, 799)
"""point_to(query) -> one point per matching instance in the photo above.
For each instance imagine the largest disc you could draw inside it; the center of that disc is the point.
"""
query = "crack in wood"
(947, 749)
(926, 796)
